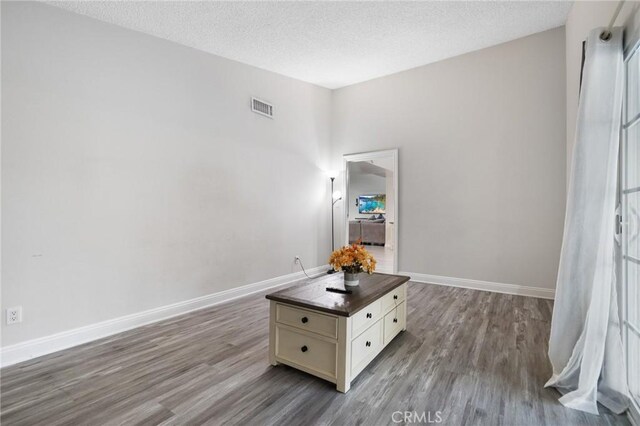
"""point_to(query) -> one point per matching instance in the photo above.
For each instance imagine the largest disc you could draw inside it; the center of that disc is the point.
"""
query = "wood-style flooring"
(474, 357)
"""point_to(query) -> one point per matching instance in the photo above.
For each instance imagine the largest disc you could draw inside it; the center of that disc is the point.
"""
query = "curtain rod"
(606, 34)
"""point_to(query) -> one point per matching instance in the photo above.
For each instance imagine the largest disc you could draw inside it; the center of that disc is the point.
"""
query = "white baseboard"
(19, 352)
(544, 293)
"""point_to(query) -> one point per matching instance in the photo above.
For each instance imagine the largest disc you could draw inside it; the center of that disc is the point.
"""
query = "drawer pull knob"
(395, 320)
(395, 297)
(304, 348)
(369, 315)
(368, 343)
(305, 320)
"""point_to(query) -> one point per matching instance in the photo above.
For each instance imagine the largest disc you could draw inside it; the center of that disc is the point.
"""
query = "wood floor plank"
(476, 358)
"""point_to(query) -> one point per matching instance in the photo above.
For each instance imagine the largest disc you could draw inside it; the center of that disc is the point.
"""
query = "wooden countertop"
(312, 293)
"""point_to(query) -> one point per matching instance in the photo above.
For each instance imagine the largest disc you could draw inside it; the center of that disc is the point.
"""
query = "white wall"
(583, 17)
(134, 174)
(482, 156)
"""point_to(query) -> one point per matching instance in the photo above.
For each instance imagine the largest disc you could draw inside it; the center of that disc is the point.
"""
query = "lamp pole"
(335, 197)
(333, 203)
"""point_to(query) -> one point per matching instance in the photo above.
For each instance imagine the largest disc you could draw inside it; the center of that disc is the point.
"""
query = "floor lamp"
(335, 197)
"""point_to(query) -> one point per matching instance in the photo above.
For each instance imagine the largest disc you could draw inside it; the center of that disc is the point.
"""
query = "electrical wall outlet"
(297, 259)
(14, 315)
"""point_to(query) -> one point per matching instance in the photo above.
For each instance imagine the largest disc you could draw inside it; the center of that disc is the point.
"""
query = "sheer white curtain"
(585, 347)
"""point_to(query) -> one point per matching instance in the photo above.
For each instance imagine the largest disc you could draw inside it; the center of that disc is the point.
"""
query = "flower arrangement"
(352, 259)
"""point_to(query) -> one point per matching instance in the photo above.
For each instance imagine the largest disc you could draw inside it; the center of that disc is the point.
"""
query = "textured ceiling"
(332, 44)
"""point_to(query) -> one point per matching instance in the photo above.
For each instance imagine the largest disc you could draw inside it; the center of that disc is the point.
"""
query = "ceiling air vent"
(261, 107)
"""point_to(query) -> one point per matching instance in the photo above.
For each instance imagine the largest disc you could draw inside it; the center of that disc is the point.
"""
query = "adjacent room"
(370, 216)
(320, 213)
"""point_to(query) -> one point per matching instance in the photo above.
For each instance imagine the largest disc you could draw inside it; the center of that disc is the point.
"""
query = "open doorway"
(371, 205)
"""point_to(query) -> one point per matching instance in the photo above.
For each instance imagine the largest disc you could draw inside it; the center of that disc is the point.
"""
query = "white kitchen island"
(331, 335)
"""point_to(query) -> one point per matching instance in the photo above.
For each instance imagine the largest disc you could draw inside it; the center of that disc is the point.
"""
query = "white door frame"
(366, 156)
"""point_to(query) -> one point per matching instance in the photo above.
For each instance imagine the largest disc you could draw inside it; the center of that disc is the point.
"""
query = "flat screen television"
(372, 204)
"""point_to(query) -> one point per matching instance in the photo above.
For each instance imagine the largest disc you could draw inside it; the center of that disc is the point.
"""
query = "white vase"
(351, 279)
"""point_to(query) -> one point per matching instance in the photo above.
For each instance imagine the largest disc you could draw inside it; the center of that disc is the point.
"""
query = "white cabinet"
(394, 322)
(365, 347)
(335, 348)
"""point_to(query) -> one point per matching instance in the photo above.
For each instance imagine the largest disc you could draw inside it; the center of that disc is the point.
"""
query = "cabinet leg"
(272, 334)
(343, 386)
(343, 378)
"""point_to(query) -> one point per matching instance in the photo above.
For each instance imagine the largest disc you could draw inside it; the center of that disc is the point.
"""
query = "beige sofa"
(368, 231)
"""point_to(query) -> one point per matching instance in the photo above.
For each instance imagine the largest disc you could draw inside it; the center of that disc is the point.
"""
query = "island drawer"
(394, 298)
(365, 318)
(365, 347)
(304, 319)
(314, 354)
(394, 322)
